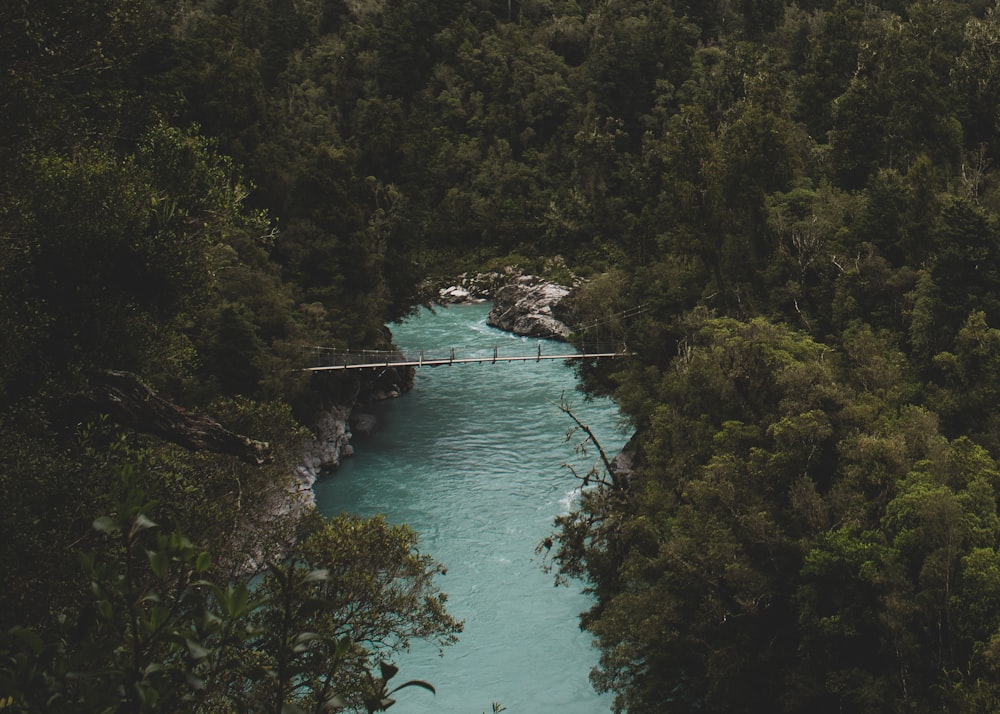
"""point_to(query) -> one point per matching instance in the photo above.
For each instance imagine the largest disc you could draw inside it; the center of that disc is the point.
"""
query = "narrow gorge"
(473, 459)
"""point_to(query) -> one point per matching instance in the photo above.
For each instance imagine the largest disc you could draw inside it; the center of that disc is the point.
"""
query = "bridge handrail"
(325, 358)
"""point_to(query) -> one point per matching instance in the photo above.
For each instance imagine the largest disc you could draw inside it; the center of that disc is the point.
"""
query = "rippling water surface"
(473, 459)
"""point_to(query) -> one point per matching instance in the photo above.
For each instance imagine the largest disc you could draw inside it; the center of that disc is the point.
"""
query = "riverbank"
(522, 305)
(333, 429)
(472, 459)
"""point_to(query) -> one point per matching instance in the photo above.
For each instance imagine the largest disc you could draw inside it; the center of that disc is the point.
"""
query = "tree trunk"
(132, 403)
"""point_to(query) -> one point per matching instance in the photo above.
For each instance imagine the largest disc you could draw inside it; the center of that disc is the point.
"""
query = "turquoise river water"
(473, 459)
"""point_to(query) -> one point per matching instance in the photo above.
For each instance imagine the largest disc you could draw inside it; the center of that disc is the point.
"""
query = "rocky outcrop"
(331, 444)
(476, 287)
(454, 294)
(525, 306)
(335, 426)
(626, 463)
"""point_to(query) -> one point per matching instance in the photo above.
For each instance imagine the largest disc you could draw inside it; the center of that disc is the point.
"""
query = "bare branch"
(567, 409)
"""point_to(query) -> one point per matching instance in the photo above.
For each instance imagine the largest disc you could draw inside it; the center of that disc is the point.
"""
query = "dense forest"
(802, 197)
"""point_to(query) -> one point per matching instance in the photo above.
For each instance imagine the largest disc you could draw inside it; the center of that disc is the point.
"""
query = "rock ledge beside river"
(331, 444)
(522, 304)
(525, 306)
(333, 429)
(475, 287)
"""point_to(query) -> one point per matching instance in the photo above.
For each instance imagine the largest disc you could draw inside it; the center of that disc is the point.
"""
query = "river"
(472, 458)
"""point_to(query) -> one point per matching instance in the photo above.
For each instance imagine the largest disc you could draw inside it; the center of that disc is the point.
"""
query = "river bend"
(473, 459)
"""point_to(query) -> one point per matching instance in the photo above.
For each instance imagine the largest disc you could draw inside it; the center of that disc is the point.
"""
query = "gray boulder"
(525, 306)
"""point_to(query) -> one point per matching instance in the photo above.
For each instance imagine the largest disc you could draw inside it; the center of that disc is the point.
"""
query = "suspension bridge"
(333, 359)
(589, 344)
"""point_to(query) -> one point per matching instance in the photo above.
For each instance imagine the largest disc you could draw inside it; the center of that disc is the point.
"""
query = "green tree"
(893, 111)
(161, 634)
(796, 537)
(977, 79)
(966, 384)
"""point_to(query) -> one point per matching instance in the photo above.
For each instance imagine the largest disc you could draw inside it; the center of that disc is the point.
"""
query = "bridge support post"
(539, 359)
(494, 354)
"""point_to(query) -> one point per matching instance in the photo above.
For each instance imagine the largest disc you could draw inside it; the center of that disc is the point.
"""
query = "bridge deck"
(461, 360)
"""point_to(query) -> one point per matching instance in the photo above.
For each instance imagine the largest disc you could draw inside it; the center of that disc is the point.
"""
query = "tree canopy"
(801, 197)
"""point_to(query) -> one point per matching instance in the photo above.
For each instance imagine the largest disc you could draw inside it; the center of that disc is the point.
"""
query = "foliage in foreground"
(160, 634)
